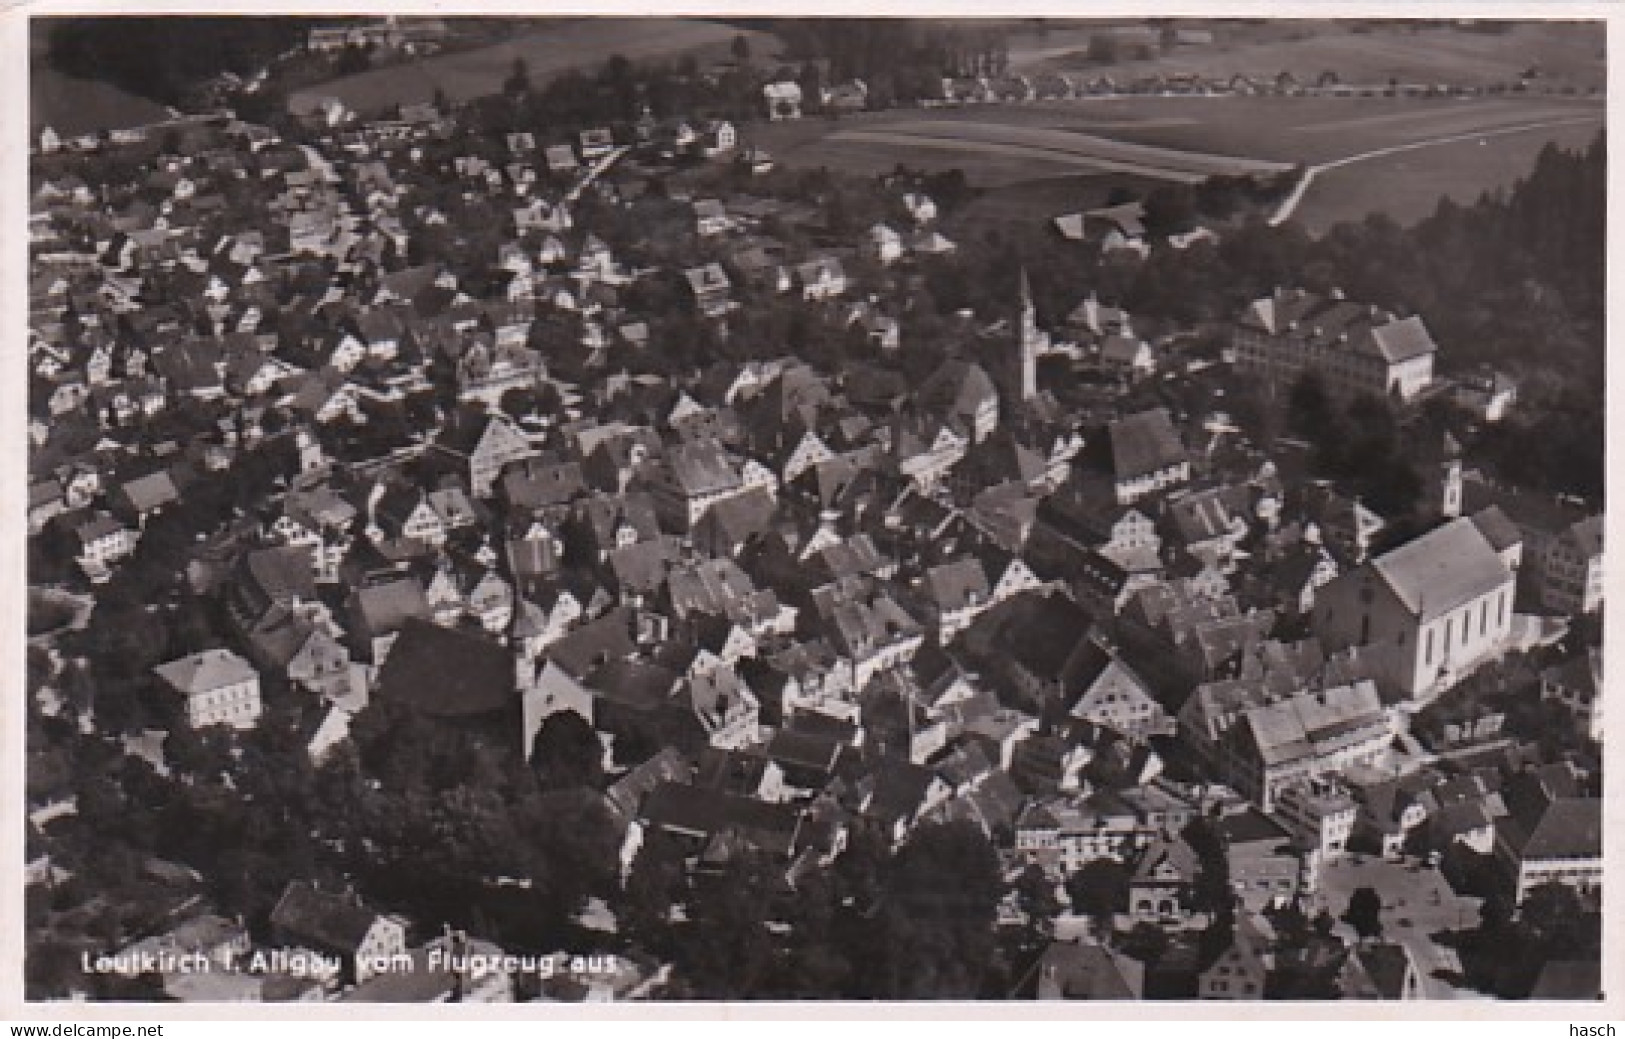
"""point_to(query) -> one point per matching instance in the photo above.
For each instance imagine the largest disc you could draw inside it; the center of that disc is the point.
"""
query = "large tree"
(1099, 889)
(1364, 913)
(936, 920)
(567, 753)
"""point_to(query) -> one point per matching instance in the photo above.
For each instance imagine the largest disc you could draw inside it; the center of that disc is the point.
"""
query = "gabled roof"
(707, 279)
(1249, 949)
(1072, 970)
(731, 521)
(1093, 670)
(206, 671)
(805, 750)
(1380, 970)
(146, 493)
(644, 565)
(331, 923)
(1122, 349)
(713, 586)
(542, 481)
(1400, 341)
(668, 766)
(607, 638)
(1042, 632)
(957, 388)
(899, 789)
(714, 693)
(1301, 726)
(387, 606)
(1144, 443)
(282, 574)
(1569, 828)
(702, 467)
(1443, 569)
(1167, 853)
(473, 432)
(706, 813)
(852, 557)
(958, 584)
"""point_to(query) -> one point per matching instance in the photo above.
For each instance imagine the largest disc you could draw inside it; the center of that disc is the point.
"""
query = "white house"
(220, 688)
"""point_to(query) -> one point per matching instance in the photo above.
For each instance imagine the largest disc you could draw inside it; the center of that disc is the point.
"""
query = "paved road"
(595, 171)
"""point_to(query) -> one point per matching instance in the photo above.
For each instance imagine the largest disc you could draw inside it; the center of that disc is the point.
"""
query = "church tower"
(1442, 471)
(1031, 342)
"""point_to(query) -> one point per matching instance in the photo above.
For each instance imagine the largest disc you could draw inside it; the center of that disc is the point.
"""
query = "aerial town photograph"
(615, 509)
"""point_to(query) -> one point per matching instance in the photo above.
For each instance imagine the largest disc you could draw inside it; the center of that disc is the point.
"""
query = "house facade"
(218, 687)
(1354, 348)
(1571, 572)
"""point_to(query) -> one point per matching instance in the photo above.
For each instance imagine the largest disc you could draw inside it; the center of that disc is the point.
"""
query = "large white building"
(220, 687)
(1297, 739)
(1426, 612)
(1561, 844)
(1355, 347)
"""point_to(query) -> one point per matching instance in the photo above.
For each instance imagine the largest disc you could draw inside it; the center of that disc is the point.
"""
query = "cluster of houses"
(827, 599)
(410, 36)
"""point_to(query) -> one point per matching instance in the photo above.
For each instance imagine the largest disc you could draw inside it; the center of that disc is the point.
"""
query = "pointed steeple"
(1030, 341)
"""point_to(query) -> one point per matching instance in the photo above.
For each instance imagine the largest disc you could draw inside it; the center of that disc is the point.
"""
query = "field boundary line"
(1289, 205)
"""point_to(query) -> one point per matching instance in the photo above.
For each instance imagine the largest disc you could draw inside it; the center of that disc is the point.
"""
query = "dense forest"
(165, 58)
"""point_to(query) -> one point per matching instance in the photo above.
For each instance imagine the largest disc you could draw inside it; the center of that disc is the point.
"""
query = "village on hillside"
(583, 564)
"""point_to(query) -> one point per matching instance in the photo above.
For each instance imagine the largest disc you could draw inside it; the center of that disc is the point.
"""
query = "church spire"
(1031, 341)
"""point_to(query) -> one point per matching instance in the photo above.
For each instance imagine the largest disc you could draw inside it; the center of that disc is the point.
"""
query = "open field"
(571, 44)
(80, 106)
(1041, 198)
(1566, 53)
(1066, 146)
(1407, 186)
(1006, 144)
(1314, 130)
(1058, 144)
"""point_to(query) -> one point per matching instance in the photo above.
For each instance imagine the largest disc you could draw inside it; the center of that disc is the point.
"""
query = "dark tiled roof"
(1569, 828)
(708, 812)
(329, 922)
(387, 606)
(607, 638)
(1144, 443)
(1075, 971)
(282, 574)
(1042, 632)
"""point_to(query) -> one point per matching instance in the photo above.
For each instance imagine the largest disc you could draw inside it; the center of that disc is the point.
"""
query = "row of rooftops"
(1315, 322)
